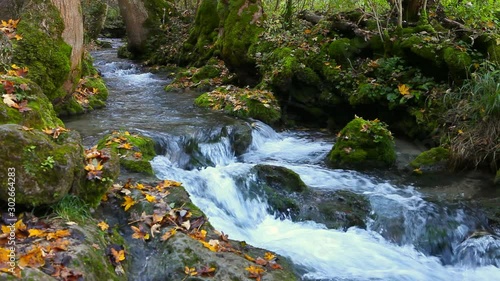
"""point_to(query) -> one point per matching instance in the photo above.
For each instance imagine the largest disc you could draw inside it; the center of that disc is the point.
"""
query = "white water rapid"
(324, 254)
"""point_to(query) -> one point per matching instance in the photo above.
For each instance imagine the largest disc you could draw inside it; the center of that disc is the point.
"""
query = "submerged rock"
(363, 144)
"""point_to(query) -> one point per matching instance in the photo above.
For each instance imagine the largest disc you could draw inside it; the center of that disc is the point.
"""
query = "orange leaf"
(33, 258)
(260, 261)
(269, 256)
(58, 234)
(118, 255)
(249, 258)
(60, 244)
(126, 145)
(168, 234)
(139, 234)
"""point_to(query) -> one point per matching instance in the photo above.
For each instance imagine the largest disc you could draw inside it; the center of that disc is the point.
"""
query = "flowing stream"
(407, 237)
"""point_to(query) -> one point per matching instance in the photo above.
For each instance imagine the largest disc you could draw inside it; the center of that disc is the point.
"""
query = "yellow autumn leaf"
(190, 271)
(460, 132)
(139, 186)
(129, 202)
(103, 225)
(126, 145)
(269, 256)
(404, 89)
(58, 234)
(18, 37)
(36, 233)
(150, 198)
(417, 171)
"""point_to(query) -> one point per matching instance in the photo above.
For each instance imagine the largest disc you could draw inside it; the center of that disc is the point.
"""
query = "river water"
(407, 238)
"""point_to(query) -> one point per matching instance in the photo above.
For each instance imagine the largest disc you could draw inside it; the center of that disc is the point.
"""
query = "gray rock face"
(45, 169)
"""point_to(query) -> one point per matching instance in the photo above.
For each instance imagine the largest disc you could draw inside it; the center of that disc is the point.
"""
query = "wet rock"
(166, 260)
(45, 169)
(288, 196)
(240, 135)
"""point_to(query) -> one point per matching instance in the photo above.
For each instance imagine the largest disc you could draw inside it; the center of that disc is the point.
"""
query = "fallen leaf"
(168, 234)
(103, 225)
(118, 255)
(139, 233)
(33, 258)
(58, 234)
(190, 271)
(404, 89)
(129, 202)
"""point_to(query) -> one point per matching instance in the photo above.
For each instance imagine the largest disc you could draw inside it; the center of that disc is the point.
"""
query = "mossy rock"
(167, 259)
(86, 253)
(45, 168)
(363, 144)
(280, 178)
(43, 50)
(92, 191)
(135, 150)
(41, 114)
(244, 103)
(432, 160)
(458, 61)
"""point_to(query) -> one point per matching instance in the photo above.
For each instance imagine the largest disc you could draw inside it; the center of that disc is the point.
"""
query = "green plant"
(71, 208)
(48, 163)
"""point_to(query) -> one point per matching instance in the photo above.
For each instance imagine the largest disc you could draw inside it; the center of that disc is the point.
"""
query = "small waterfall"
(407, 237)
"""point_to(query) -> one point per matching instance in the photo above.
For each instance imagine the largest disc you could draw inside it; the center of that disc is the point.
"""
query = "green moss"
(43, 51)
(206, 72)
(423, 49)
(202, 34)
(341, 50)
(41, 115)
(129, 159)
(494, 51)
(430, 157)
(458, 61)
(363, 144)
(241, 22)
(243, 103)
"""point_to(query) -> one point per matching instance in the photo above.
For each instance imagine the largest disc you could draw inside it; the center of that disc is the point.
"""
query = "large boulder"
(363, 144)
(45, 169)
(169, 248)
